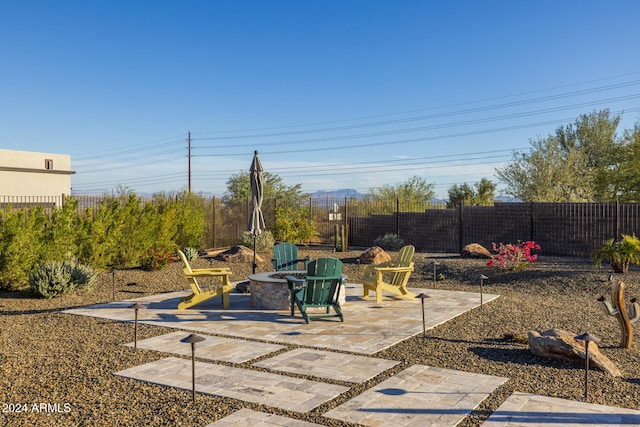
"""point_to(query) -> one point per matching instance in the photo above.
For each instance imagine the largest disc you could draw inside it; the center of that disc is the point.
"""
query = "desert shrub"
(190, 253)
(620, 254)
(54, 278)
(514, 256)
(189, 220)
(389, 242)
(294, 226)
(83, 276)
(20, 245)
(264, 240)
(155, 258)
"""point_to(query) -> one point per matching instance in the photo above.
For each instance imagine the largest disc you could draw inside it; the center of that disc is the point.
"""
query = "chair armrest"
(394, 269)
(338, 277)
(210, 272)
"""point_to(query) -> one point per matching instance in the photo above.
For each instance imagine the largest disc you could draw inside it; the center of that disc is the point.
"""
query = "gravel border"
(67, 362)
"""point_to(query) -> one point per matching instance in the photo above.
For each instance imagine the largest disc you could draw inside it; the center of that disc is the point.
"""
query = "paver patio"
(368, 327)
(246, 417)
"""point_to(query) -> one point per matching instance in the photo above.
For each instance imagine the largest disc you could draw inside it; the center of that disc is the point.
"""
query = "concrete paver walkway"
(248, 418)
(212, 348)
(530, 410)
(419, 396)
(330, 365)
(279, 391)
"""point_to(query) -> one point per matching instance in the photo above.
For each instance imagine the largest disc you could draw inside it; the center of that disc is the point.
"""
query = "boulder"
(374, 255)
(238, 254)
(243, 287)
(561, 345)
(475, 250)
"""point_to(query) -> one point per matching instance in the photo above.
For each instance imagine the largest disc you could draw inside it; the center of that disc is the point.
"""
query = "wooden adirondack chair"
(391, 276)
(199, 294)
(320, 289)
(285, 257)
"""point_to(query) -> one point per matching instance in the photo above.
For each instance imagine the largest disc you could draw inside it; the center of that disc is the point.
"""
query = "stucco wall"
(27, 173)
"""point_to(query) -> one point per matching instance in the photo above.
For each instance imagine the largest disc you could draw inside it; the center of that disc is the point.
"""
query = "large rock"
(374, 255)
(561, 345)
(238, 254)
(475, 250)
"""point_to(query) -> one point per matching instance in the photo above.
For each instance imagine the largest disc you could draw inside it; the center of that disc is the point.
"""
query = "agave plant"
(620, 254)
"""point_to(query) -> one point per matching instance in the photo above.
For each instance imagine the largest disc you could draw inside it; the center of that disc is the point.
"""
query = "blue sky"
(333, 94)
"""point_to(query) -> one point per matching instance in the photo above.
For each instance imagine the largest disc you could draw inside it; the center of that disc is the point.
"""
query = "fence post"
(460, 223)
(531, 222)
(213, 217)
(397, 216)
(617, 217)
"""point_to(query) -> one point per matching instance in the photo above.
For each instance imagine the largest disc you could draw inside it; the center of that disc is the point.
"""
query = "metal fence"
(564, 229)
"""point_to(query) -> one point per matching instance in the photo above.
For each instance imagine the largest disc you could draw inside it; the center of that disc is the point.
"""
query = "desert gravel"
(57, 369)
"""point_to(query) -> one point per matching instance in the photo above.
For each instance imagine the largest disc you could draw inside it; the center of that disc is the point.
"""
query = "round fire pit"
(269, 290)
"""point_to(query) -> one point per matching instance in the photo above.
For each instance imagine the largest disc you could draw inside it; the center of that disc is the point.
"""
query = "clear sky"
(332, 93)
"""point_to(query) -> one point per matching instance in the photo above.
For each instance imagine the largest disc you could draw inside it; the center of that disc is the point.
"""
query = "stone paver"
(530, 410)
(212, 348)
(279, 391)
(249, 418)
(330, 365)
(366, 328)
(419, 396)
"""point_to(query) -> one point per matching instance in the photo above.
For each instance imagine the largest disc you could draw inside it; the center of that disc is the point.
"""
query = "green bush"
(389, 242)
(620, 254)
(294, 226)
(54, 278)
(190, 253)
(83, 276)
(264, 240)
(155, 259)
(21, 245)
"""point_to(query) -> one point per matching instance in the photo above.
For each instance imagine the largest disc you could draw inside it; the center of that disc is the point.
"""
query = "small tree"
(294, 226)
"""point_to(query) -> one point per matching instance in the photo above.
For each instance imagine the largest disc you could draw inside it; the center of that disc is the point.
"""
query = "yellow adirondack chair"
(390, 276)
(199, 294)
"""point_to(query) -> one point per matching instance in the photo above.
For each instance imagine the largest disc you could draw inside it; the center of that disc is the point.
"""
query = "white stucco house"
(28, 173)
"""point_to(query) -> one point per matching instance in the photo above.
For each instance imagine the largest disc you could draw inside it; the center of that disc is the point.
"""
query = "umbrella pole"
(254, 254)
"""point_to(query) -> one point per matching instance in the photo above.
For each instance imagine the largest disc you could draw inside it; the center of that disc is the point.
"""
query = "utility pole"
(189, 160)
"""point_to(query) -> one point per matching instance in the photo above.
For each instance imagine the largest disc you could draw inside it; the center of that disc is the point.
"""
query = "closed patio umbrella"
(256, 220)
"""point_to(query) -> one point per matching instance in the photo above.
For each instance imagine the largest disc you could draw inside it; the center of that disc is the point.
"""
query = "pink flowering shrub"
(514, 257)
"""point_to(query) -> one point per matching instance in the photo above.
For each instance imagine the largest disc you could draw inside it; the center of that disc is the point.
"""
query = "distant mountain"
(346, 192)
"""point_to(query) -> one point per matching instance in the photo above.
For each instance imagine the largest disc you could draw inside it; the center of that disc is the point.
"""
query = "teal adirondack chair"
(285, 257)
(320, 289)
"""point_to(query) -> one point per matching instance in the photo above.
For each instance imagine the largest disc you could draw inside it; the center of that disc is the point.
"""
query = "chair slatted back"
(323, 278)
(403, 259)
(285, 257)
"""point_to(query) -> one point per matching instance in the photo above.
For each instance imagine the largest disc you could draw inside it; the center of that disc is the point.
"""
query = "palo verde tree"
(481, 194)
(413, 194)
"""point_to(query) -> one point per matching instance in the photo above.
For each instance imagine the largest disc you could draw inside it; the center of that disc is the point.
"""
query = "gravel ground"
(68, 361)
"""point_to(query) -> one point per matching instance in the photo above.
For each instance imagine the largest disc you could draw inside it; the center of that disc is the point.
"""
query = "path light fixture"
(193, 339)
(482, 278)
(422, 296)
(587, 338)
(136, 307)
(435, 277)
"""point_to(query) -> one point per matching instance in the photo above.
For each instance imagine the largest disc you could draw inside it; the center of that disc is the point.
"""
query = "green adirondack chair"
(320, 289)
(285, 258)
(391, 276)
